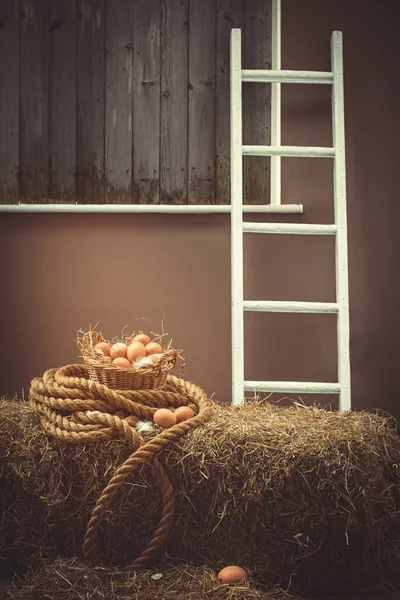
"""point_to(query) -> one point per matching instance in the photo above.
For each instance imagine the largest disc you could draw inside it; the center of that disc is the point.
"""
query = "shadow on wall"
(69, 272)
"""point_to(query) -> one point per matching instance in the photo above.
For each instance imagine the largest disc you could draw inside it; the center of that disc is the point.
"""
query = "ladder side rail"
(236, 143)
(276, 117)
(341, 246)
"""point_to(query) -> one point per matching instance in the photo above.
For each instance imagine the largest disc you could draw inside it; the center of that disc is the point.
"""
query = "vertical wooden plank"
(34, 136)
(230, 15)
(9, 101)
(174, 102)
(119, 96)
(202, 62)
(63, 74)
(91, 96)
(257, 100)
(146, 101)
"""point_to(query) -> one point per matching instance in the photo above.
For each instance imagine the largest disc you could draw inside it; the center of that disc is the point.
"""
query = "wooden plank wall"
(174, 102)
(9, 101)
(91, 60)
(119, 102)
(34, 100)
(63, 82)
(122, 101)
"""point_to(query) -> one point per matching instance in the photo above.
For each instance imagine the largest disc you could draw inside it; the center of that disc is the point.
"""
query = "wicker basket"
(149, 377)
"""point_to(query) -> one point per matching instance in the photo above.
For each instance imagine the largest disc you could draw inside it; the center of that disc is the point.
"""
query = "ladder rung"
(264, 208)
(292, 387)
(289, 228)
(290, 307)
(305, 151)
(271, 76)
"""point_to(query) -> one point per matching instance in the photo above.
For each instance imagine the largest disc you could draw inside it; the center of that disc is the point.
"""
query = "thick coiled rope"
(76, 409)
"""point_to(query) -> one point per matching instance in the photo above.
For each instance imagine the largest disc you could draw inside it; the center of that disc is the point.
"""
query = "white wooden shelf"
(176, 209)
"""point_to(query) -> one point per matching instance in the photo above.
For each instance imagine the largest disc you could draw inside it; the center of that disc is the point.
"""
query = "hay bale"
(299, 496)
(73, 580)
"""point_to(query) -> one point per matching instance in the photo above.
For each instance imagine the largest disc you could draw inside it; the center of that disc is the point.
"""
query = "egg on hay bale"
(296, 495)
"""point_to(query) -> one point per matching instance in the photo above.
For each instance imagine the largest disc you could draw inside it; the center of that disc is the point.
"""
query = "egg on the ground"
(232, 574)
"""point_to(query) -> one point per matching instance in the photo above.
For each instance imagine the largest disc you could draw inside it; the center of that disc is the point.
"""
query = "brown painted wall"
(60, 273)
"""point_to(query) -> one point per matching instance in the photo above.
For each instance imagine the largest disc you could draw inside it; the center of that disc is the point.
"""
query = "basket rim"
(166, 363)
(95, 337)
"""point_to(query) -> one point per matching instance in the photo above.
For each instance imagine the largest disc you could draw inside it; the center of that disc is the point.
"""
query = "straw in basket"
(146, 377)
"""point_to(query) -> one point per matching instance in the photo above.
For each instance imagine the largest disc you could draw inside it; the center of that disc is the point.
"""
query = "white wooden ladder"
(338, 229)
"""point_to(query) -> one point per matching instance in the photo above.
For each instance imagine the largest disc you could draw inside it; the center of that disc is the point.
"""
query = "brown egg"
(164, 417)
(142, 337)
(103, 348)
(155, 358)
(123, 362)
(153, 348)
(135, 350)
(118, 349)
(232, 574)
(183, 413)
